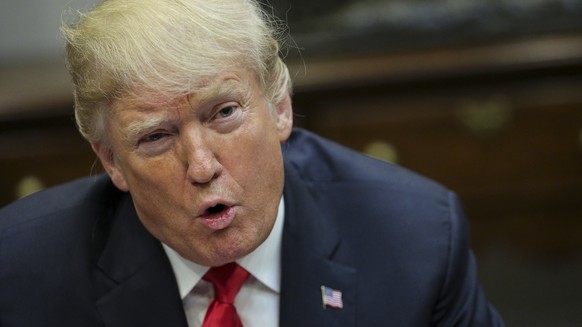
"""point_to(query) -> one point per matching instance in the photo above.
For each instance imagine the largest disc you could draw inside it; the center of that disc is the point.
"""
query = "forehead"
(143, 99)
(133, 115)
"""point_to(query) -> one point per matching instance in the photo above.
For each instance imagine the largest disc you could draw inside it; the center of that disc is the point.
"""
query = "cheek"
(258, 156)
(265, 178)
(156, 185)
(162, 172)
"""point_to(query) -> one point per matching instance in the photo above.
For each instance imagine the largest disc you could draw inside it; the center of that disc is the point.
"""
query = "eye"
(225, 112)
(226, 117)
(154, 137)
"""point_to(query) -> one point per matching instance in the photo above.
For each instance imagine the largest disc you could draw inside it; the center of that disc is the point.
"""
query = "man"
(186, 103)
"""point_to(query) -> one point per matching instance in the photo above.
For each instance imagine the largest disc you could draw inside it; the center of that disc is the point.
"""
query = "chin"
(231, 248)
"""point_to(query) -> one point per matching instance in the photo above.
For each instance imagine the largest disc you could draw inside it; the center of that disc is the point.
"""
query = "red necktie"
(227, 281)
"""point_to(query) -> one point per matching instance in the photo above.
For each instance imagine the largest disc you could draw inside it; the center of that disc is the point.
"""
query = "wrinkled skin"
(205, 172)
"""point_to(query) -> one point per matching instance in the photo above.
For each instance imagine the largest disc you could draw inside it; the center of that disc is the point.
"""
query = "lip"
(217, 220)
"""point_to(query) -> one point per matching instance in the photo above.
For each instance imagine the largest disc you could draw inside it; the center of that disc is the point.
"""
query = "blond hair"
(136, 48)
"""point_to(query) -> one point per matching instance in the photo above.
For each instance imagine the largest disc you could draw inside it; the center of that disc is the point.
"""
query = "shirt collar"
(264, 263)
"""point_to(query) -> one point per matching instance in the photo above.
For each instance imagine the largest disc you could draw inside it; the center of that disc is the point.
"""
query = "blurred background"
(484, 96)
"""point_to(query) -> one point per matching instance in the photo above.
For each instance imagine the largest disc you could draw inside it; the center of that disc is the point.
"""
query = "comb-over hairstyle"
(140, 48)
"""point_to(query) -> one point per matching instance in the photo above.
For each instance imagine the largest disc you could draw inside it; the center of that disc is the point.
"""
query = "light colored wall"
(29, 29)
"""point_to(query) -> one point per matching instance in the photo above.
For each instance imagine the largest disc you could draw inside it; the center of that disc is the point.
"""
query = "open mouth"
(216, 209)
(218, 216)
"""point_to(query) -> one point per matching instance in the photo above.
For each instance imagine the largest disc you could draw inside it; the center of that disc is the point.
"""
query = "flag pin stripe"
(331, 298)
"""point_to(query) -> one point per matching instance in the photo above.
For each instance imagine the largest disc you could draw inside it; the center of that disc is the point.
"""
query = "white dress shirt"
(257, 303)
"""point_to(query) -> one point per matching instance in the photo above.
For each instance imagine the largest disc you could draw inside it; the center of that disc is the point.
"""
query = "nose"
(202, 164)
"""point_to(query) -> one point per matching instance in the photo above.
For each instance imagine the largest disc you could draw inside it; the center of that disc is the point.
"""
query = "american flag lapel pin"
(331, 298)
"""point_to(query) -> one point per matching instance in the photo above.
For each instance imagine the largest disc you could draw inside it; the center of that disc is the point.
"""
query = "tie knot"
(227, 281)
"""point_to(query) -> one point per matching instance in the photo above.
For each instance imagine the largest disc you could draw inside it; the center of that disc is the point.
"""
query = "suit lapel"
(136, 283)
(309, 245)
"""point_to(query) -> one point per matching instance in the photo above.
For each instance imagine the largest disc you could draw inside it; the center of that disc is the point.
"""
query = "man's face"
(205, 172)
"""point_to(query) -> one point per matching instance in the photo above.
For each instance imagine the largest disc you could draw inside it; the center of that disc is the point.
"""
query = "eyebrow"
(223, 88)
(135, 129)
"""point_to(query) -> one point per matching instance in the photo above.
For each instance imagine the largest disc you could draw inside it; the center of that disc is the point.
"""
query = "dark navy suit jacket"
(395, 244)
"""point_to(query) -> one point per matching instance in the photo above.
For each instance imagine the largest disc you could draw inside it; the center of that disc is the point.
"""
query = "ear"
(106, 156)
(284, 113)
